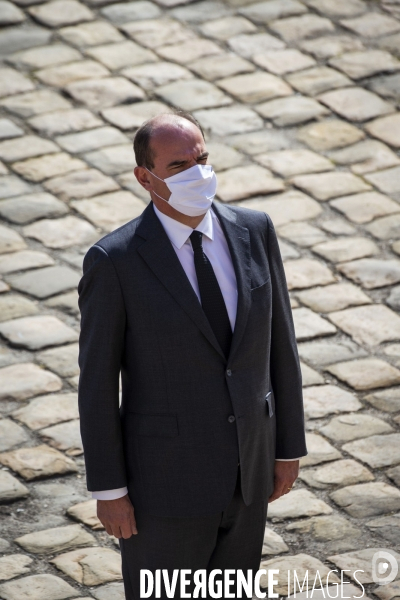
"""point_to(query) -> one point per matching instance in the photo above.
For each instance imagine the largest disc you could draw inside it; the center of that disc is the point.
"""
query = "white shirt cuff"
(110, 494)
(288, 459)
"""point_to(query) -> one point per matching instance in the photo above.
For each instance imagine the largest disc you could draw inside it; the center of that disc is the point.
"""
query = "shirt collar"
(179, 233)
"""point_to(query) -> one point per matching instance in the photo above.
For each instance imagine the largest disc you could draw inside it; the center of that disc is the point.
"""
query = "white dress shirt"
(216, 249)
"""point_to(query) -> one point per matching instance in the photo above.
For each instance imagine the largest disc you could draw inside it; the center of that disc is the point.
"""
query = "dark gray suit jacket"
(187, 414)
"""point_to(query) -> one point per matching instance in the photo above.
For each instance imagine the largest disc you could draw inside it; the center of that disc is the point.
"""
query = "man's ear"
(143, 177)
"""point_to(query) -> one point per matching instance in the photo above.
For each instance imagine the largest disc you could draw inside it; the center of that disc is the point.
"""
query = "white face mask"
(192, 191)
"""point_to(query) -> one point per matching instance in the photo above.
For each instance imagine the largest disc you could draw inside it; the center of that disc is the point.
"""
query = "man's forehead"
(174, 139)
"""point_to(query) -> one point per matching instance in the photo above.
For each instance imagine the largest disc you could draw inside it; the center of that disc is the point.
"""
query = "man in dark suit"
(189, 303)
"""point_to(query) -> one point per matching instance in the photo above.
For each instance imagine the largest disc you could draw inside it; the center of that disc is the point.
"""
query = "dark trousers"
(231, 539)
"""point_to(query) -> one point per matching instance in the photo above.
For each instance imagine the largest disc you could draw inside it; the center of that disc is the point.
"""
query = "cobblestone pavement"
(300, 104)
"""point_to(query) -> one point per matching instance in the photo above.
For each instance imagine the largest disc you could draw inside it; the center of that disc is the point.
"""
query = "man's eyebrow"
(176, 163)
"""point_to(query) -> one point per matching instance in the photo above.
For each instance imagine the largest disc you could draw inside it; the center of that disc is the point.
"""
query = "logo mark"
(384, 567)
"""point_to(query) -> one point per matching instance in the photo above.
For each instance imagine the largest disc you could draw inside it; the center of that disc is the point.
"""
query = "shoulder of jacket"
(119, 239)
(253, 219)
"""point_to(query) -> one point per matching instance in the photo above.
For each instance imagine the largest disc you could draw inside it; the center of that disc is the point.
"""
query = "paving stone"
(386, 527)
(372, 273)
(367, 499)
(8, 129)
(220, 65)
(35, 103)
(323, 528)
(308, 324)
(61, 76)
(47, 410)
(255, 87)
(242, 182)
(356, 104)
(309, 376)
(320, 401)
(333, 297)
(16, 38)
(227, 27)
(44, 56)
(370, 325)
(229, 120)
(338, 473)
(291, 111)
(90, 566)
(377, 450)
(341, 8)
(154, 75)
(133, 115)
(387, 86)
(65, 121)
(295, 28)
(67, 302)
(222, 156)
(306, 272)
(101, 93)
(64, 436)
(10, 14)
(110, 211)
(128, 180)
(61, 12)
(11, 435)
(37, 169)
(92, 140)
(273, 543)
(304, 565)
(121, 54)
(328, 135)
(24, 260)
(285, 61)
(372, 24)
(249, 44)
(26, 147)
(42, 283)
(201, 11)
(10, 488)
(394, 474)
(387, 180)
(362, 560)
(4, 545)
(37, 587)
(188, 51)
(110, 591)
(299, 503)
(294, 162)
(394, 298)
(62, 494)
(4, 287)
(365, 373)
(365, 63)
(347, 428)
(59, 539)
(86, 513)
(37, 332)
(284, 208)
(324, 186)
(24, 380)
(385, 400)
(38, 462)
(12, 186)
(344, 249)
(263, 140)
(331, 45)
(364, 207)
(154, 33)
(13, 306)
(325, 352)
(302, 234)
(10, 241)
(264, 12)
(12, 82)
(79, 184)
(13, 565)
(91, 34)
(124, 12)
(193, 94)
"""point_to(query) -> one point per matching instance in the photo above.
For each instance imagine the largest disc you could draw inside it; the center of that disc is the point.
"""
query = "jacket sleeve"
(285, 369)
(101, 345)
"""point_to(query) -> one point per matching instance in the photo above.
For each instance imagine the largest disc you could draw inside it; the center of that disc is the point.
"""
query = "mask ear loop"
(154, 175)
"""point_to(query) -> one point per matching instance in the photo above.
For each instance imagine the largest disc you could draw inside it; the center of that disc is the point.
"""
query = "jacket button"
(231, 418)
(228, 372)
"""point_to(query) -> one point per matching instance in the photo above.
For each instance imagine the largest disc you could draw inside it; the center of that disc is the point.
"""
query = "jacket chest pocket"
(260, 290)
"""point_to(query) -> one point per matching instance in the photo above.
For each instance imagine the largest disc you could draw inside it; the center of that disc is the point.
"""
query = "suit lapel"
(238, 239)
(158, 253)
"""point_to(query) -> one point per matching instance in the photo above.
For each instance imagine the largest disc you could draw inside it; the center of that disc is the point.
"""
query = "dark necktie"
(212, 300)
